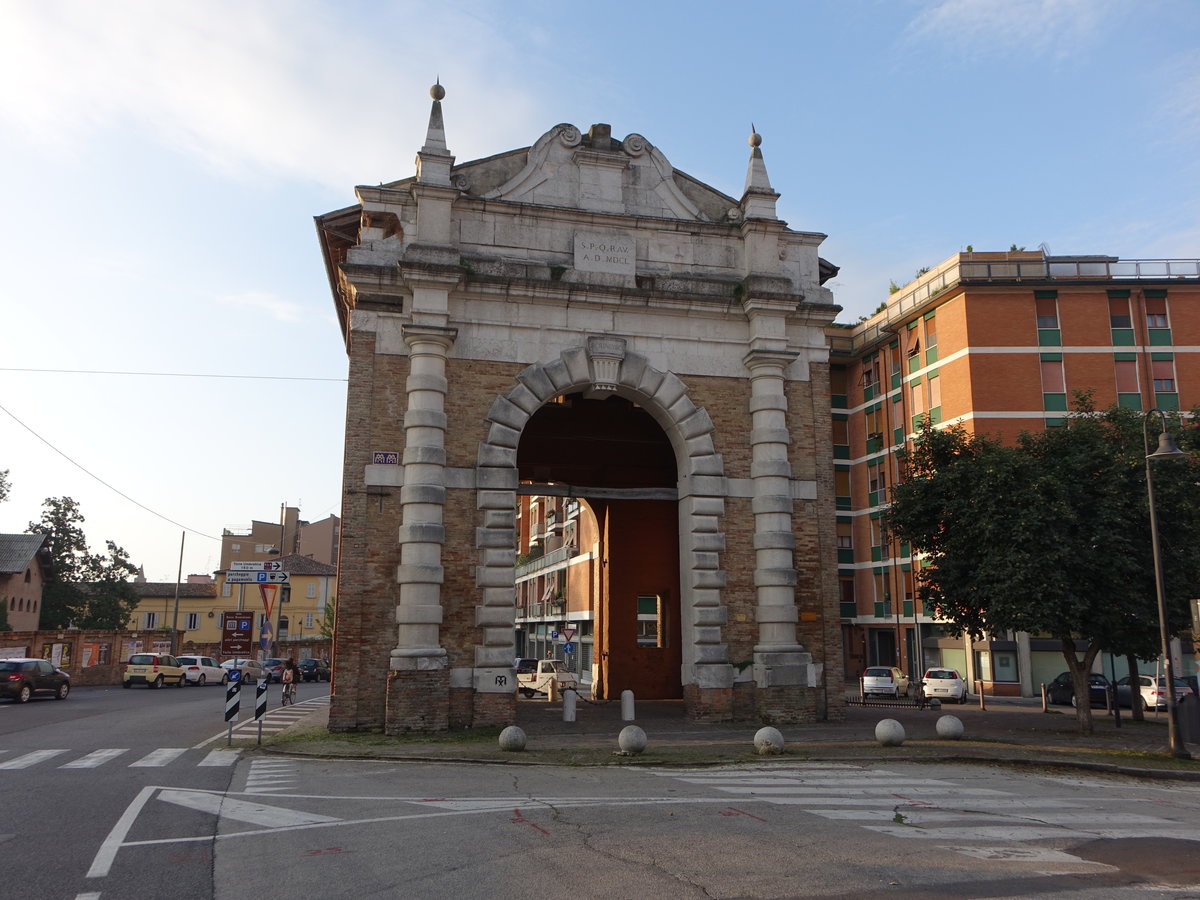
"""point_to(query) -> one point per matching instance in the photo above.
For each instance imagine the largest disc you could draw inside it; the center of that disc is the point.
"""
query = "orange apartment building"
(998, 342)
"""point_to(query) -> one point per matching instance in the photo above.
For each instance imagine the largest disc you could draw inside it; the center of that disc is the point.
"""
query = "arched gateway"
(475, 299)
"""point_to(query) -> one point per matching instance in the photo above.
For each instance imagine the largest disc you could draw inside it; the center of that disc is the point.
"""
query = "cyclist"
(289, 677)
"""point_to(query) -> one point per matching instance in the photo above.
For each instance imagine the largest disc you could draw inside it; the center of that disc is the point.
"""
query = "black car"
(20, 679)
(313, 669)
(1062, 690)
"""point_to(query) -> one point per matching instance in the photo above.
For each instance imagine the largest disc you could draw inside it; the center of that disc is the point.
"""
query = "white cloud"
(303, 89)
(281, 310)
(999, 27)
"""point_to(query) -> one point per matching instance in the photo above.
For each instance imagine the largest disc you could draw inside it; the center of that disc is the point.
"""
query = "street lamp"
(1166, 450)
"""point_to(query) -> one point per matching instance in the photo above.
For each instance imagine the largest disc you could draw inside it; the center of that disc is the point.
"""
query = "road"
(70, 769)
(266, 826)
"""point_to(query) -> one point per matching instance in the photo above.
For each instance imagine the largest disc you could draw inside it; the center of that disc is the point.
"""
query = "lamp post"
(1166, 450)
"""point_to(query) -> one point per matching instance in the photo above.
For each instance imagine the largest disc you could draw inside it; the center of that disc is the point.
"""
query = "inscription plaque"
(615, 254)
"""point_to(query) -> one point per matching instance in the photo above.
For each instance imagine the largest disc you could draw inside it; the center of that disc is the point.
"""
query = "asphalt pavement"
(1008, 730)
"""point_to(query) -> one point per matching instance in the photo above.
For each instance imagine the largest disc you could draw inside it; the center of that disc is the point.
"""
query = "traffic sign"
(256, 578)
(568, 633)
(236, 639)
(257, 565)
(568, 647)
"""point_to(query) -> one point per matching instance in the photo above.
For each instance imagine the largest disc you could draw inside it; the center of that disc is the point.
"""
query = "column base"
(418, 701)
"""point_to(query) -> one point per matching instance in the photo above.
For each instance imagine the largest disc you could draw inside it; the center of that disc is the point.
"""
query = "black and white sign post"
(260, 705)
(232, 702)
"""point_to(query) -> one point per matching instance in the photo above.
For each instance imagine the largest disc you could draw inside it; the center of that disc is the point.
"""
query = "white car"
(202, 670)
(1153, 690)
(944, 684)
(886, 680)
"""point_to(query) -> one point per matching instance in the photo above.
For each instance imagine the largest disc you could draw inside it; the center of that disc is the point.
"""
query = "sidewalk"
(1012, 731)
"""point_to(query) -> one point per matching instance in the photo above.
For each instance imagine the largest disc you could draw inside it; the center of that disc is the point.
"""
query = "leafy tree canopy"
(86, 590)
(1051, 535)
(5, 485)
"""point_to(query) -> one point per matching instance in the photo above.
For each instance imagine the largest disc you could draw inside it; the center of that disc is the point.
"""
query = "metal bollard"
(569, 706)
(627, 706)
(982, 702)
(1045, 699)
(552, 691)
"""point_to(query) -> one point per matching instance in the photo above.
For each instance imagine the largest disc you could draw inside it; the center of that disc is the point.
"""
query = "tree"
(5, 485)
(1051, 535)
(329, 620)
(85, 590)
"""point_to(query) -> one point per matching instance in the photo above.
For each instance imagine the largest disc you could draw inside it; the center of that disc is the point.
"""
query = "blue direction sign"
(235, 675)
(568, 647)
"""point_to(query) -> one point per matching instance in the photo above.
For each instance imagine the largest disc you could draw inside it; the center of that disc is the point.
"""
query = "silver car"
(252, 670)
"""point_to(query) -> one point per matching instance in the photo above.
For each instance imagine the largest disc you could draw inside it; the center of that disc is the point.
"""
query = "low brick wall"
(98, 657)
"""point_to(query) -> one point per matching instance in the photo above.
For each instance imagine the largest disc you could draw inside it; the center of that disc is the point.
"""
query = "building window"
(312, 591)
(226, 589)
(1118, 313)
(1164, 375)
(1047, 312)
(308, 620)
(845, 536)
(1156, 312)
(192, 621)
(149, 621)
(1127, 376)
(650, 629)
(1053, 380)
(235, 547)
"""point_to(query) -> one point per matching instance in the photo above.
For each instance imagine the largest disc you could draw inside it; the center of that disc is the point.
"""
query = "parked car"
(944, 684)
(314, 669)
(1062, 690)
(1153, 690)
(153, 670)
(200, 670)
(21, 679)
(274, 667)
(886, 680)
(252, 670)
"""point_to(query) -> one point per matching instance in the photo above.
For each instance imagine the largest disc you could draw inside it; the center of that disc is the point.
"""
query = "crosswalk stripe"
(220, 758)
(94, 759)
(159, 757)
(31, 759)
(800, 790)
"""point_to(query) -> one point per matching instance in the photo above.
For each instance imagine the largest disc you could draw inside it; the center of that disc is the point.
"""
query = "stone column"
(418, 695)
(779, 660)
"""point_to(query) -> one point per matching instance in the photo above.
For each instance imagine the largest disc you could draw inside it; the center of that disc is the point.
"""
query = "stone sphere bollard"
(889, 733)
(768, 741)
(949, 728)
(512, 738)
(631, 740)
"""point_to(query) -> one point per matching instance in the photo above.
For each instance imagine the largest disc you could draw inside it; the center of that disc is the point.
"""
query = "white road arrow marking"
(241, 810)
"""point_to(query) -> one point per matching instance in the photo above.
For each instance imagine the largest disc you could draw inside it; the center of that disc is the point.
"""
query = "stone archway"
(700, 307)
(606, 365)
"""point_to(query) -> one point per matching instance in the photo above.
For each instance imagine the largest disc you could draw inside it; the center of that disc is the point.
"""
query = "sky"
(169, 353)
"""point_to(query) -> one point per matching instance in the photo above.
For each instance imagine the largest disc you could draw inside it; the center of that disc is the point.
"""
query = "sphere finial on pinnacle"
(755, 137)
(437, 92)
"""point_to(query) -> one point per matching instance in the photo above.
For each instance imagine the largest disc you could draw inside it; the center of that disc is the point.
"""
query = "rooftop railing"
(959, 269)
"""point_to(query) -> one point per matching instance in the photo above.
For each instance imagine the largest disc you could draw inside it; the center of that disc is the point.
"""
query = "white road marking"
(767, 792)
(108, 849)
(93, 759)
(242, 810)
(159, 757)
(31, 759)
(220, 758)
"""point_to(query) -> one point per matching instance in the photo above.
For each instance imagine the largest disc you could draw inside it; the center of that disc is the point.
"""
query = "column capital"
(429, 334)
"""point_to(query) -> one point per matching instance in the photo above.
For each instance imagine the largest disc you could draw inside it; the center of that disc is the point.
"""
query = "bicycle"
(289, 693)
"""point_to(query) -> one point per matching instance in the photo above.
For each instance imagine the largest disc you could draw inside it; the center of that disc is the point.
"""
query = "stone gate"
(583, 268)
